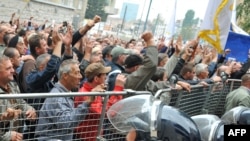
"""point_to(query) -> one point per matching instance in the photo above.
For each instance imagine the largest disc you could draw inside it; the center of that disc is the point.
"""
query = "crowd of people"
(56, 59)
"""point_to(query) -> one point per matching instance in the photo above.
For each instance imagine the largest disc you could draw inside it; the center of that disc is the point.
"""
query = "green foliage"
(189, 24)
(96, 7)
(243, 19)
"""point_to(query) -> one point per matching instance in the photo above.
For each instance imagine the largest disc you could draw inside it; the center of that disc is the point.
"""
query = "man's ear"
(37, 50)
(41, 67)
(11, 60)
(136, 67)
(95, 78)
(64, 75)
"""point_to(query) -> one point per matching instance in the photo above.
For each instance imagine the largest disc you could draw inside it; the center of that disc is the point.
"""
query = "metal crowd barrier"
(200, 100)
(98, 127)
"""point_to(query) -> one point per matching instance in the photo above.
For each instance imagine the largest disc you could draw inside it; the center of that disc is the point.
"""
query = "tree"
(242, 10)
(96, 7)
(189, 24)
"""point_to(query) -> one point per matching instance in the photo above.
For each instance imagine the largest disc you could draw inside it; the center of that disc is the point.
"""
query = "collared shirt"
(58, 117)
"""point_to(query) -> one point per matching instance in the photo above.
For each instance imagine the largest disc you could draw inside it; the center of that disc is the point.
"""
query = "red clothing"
(87, 130)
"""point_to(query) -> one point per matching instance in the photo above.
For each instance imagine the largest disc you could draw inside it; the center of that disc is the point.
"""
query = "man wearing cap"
(119, 55)
(96, 75)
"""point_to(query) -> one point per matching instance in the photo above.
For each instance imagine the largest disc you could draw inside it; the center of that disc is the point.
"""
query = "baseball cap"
(116, 51)
(95, 69)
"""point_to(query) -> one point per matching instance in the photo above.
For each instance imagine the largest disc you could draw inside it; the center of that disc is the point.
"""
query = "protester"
(13, 127)
(58, 117)
(96, 76)
(240, 96)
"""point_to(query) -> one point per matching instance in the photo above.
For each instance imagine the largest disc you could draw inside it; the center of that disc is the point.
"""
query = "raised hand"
(120, 80)
(67, 38)
(148, 38)
(56, 37)
(89, 44)
(178, 45)
(97, 19)
(13, 15)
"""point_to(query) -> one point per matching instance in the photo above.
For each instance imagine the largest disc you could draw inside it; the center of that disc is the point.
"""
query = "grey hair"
(10, 52)
(3, 58)
(199, 68)
(245, 78)
(41, 58)
(65, 67)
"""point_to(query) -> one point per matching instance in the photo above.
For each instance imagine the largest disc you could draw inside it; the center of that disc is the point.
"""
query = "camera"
(65, 24)
(63, 29)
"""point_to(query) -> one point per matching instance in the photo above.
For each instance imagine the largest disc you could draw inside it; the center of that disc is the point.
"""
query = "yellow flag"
(216, 24)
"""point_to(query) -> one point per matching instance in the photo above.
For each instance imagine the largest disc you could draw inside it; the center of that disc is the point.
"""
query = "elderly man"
(7, 132)
(240, 96)
(202, 74)
(14, 56)
(58, 117)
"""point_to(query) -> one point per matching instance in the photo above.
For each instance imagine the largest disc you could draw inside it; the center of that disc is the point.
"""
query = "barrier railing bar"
(99, 138)
(42, 95)
(159, 92)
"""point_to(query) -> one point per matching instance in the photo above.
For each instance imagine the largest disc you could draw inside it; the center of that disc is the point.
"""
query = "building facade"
(72, 11)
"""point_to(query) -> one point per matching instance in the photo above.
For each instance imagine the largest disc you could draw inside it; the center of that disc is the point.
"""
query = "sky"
(165, 8)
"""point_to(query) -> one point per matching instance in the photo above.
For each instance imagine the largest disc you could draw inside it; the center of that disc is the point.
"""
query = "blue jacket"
(112, 76)
(58, 117)
(41, 81)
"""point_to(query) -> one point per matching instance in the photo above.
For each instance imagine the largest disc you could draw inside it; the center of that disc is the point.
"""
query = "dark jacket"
(195, 82)
(242, 71)
(112, 76)
(41, 81)
(179, 66)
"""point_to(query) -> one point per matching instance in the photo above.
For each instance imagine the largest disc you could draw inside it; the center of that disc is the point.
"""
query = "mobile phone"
(53, 24)
(29, 23)
(63, 30)
(65, 24)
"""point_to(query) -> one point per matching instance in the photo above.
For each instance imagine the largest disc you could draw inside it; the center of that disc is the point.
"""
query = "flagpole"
(141, 18)
(233, 19)
(173, 28)
(145, 24)
(171, 25)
